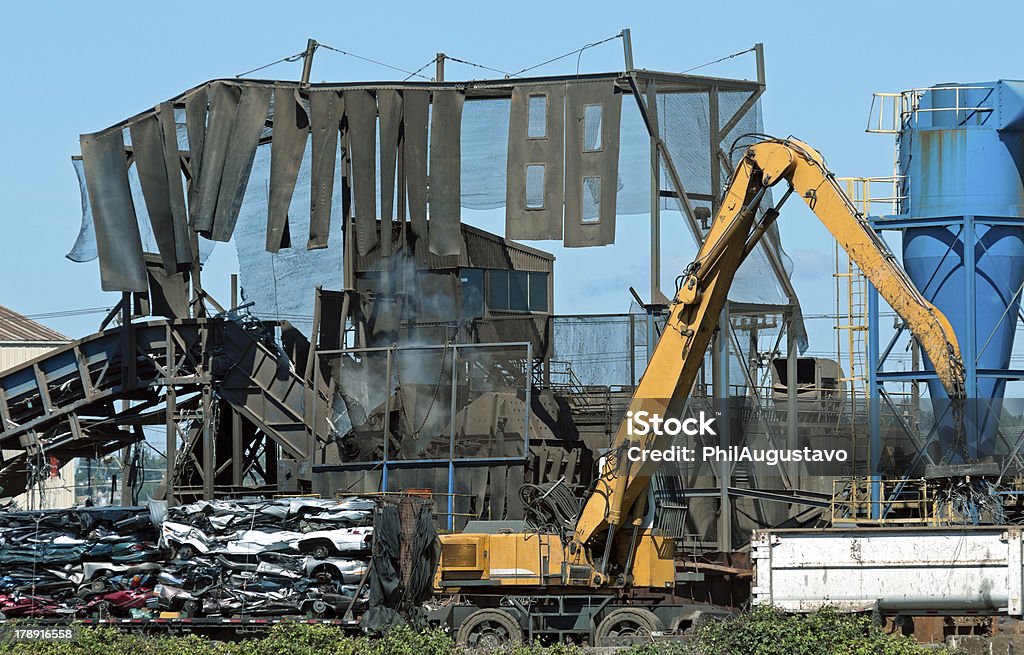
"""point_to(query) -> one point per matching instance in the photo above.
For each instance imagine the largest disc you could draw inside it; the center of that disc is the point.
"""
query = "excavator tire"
(489, 629)
(627, 626)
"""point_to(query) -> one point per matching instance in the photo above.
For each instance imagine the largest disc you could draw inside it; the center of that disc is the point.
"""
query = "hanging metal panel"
(291, 130)
(118, 243)
(361, 112)
(535, 178)
(389, 105)
(326, 109)
(175, 192)
(195, 128)
(216, 141)
(148, 148)
(245, 137)
(445, 172)
(593, 112)
(414, 151)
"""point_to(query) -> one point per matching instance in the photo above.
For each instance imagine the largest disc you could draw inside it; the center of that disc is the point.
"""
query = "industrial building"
(22, 340)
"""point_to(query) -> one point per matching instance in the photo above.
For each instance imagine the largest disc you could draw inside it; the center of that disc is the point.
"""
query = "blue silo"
(962, 161)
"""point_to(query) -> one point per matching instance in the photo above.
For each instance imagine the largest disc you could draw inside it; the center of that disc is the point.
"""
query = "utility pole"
(627, 49)
(439, 64)
(307, 61)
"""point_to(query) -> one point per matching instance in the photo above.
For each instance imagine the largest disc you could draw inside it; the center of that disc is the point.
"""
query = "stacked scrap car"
(289, 556)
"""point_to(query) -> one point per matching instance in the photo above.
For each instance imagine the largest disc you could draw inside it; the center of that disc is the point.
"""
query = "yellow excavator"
(607, 574)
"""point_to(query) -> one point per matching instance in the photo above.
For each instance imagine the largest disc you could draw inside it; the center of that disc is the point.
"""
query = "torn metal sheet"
(216, 141)
(414, 153)
(389, 104)
(245, 136)
(118, 243)
(361, 112)
(172, 162)
(291, 130)
(534, 191)
(326, 109)
(148, 148)
(195, 128)
(158, 164)
(592, 117)
(84, 249)
(445, 173)
(168, 292)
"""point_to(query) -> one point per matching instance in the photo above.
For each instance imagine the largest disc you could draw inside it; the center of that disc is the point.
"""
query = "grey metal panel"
(291, 130)
(176, 194)
(195, 128)
(168, 293)
(389, 104)
(361, 112)
(580, 163)
(245, 136)
(122, 267)
(326, 109)
(496, 488)
(223, 108)
(446, 172)
(414, 150)
(148, 147)
(521, 221)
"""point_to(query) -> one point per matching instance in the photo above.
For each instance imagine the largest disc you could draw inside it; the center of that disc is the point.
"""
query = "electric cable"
(373, 61)
(568, 54)
(289, 58)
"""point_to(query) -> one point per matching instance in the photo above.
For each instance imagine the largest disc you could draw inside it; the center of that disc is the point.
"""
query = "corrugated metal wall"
(13, 354)
(56, 492)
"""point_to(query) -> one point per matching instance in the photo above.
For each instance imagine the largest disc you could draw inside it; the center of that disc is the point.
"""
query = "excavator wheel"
(627, 626)
(489, 630)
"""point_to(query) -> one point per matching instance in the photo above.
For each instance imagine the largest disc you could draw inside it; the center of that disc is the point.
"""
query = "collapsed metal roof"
(273, 164)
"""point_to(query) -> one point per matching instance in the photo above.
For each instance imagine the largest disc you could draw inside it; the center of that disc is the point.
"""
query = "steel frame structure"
(453, 461)
(878, 356)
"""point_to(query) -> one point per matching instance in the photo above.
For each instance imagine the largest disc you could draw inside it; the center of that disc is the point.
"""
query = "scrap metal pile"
(221, 558)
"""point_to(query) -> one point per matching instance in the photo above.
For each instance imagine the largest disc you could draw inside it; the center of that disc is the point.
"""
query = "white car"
(349, 571)
(322, 544)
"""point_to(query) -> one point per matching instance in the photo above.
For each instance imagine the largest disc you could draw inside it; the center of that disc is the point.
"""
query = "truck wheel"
(489, 630)
(627, 626)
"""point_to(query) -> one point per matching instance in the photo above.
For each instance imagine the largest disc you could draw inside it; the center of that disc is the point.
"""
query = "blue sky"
(78, 67)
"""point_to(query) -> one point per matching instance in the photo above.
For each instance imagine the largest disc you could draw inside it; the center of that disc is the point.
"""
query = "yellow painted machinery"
(609, 551)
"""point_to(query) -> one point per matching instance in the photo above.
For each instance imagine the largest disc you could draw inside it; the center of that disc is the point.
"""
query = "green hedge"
(763, 631)
(768, 631)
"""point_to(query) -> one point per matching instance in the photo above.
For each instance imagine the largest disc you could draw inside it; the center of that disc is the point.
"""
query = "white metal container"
(962, 570)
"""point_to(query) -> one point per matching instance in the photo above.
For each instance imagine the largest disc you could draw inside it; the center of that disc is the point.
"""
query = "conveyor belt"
(91, 397)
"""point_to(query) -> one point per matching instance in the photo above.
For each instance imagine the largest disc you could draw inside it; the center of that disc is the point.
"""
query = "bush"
(768, 631)
(762, 631)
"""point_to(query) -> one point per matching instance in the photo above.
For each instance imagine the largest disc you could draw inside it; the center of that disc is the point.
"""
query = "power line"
(289, 58)
(568, 54)
(469, 63)
(419, 70)
(721, 59)
(374, 61)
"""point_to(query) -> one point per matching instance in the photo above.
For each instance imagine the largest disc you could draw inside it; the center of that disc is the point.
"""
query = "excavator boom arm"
(618, 495)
